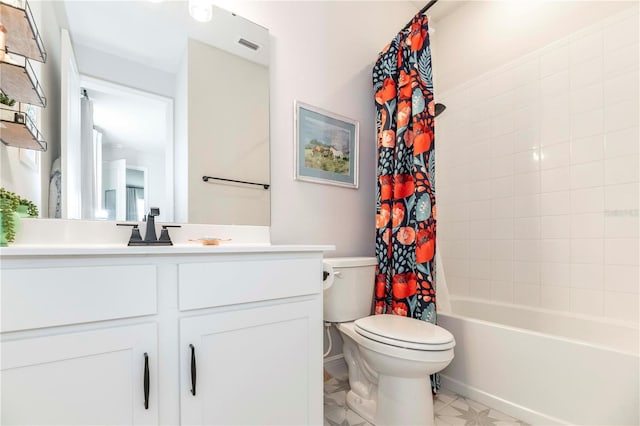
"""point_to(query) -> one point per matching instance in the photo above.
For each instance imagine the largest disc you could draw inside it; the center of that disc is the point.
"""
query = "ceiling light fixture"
(201, 10)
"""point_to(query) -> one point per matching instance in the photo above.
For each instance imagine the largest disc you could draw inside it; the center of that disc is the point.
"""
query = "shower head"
(439, 109)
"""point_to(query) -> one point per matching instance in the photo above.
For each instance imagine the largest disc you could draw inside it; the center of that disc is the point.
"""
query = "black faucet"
(150, 238)
(150, 232)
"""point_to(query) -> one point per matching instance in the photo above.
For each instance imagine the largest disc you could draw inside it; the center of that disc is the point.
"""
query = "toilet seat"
(404, 332)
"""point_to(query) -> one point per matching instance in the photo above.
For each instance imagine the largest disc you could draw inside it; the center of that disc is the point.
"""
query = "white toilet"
(389, 357)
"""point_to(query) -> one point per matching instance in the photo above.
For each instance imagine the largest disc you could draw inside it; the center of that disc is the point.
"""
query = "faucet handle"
(135, 233)
(164, 233)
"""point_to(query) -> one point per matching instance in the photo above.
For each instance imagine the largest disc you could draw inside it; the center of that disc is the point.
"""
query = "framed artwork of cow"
(326, 147)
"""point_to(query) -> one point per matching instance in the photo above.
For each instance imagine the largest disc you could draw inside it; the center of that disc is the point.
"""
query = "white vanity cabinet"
(77, 330)
(246, 366)
(58, 369)
(81, 378)
(256, 363)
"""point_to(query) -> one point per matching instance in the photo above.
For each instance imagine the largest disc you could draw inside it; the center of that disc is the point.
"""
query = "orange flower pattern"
(406, 204)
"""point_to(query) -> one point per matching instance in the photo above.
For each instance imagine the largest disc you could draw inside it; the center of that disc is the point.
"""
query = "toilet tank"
(348, 290)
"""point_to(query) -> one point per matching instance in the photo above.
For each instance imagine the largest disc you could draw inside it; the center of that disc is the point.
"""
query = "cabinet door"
(94, 377)
(260, 366)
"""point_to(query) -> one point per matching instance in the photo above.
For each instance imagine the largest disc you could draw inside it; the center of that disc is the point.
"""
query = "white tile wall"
(538, 177)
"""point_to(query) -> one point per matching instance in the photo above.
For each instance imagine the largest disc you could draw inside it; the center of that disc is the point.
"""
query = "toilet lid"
(404, 332)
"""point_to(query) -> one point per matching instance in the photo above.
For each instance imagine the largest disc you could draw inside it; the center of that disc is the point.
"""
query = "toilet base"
(404, 401)
(391, 410)
(365, 408)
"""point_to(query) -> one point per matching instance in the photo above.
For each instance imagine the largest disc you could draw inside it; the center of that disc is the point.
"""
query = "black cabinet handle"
(146, 381)
(193, 370)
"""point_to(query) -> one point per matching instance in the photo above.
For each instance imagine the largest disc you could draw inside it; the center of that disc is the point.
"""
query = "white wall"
(538, 162)
(94, 63)
(228, 137)
(322, 54)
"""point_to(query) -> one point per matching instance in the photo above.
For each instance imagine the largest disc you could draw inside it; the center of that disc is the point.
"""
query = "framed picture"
(326, 147)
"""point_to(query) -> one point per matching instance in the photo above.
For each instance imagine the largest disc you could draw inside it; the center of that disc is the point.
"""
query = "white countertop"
(25, 250)
(57, 237)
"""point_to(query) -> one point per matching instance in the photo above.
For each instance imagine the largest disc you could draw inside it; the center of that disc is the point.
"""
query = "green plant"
(4, 99)
(9, 203)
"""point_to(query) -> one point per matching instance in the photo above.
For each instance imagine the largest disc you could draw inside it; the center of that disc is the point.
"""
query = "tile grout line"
(448, 403)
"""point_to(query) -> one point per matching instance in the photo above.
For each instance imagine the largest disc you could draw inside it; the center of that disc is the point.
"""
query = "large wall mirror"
(151, 101)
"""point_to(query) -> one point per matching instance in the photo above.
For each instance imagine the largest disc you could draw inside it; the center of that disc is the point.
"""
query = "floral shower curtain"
(406, 203)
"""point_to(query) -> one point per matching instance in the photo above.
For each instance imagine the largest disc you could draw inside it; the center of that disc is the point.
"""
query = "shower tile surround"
(538, 184)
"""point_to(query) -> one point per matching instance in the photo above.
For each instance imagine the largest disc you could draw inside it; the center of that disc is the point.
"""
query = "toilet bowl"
(389, 358)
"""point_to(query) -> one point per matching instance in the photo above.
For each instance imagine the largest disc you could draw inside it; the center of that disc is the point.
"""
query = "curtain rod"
(423, 10)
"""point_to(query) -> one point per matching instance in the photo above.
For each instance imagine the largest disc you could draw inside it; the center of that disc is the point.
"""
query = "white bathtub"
(542, 367)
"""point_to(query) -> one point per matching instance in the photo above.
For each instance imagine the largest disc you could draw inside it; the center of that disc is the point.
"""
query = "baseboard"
(507, 407)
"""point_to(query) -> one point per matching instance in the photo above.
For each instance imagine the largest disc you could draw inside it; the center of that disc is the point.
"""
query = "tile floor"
(449, 408)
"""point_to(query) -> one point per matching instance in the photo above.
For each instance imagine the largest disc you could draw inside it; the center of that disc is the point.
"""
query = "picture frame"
(325, 147)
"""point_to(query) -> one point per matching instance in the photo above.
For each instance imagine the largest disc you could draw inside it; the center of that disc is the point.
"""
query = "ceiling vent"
(247, 43)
